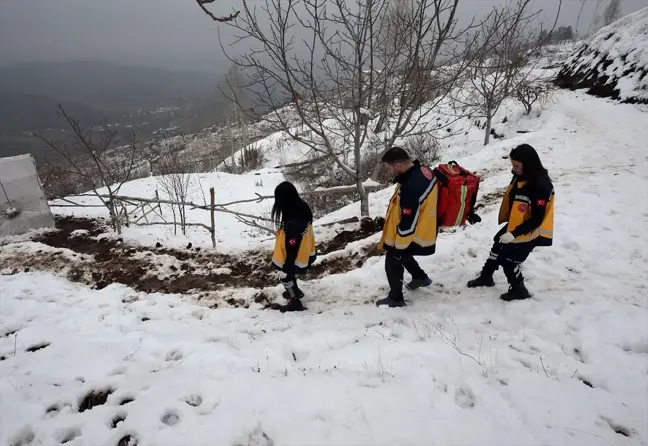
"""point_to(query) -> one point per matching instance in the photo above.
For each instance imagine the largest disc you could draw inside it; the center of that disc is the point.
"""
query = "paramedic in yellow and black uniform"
(528, 211)
(410, 225)
(294, 249)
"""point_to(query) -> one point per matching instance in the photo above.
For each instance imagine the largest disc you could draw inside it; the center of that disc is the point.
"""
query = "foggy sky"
(172, 34)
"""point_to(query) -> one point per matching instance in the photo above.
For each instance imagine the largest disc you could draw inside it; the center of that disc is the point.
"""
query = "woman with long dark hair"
(294, 249)
(528, 211)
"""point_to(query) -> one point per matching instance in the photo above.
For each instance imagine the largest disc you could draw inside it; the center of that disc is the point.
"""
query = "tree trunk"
(175, 226)
(381, 123)
(183, 219)
(114, 217)
(579, 16)
(489, 120)
(364, 198)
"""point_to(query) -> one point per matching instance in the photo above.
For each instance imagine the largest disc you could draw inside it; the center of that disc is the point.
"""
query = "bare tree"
(175, 180)
(221, 19)
(496, 73)
(530, 91)
(612, 12)
(396, 30)
(596, 19)
(350, 73)
(579, 15)
(92, 159)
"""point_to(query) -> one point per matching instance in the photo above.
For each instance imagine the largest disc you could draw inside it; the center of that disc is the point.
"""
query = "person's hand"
(506, 238)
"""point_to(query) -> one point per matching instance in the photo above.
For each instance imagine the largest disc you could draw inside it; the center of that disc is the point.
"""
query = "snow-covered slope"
(614, 63)
(457, 366)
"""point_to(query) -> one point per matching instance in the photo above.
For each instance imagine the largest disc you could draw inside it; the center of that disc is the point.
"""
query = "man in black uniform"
(410, 225)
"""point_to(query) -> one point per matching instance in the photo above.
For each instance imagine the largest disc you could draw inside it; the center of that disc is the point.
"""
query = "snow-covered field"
(455, 367)
(230, 233)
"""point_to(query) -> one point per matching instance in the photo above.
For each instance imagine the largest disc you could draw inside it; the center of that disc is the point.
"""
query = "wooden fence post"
(211, 214)
(157, 196)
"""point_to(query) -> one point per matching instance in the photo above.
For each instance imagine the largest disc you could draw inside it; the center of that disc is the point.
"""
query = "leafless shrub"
(529, 93)
(249, 158)
(425, 148)
(176, 182)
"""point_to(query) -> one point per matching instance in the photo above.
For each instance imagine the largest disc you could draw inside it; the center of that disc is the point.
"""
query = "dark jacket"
(411, 222)
(528, 209)
(295, 243)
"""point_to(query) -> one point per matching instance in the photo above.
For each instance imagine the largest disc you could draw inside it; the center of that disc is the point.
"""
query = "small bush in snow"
(424, 147)
(528, 93)
(247, 159)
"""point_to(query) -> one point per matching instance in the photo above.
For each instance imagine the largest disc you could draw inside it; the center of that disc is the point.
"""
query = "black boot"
(483, 280)
(293, 295)
(517, 291)
(418, 283)
(293, 305)
(391, 302)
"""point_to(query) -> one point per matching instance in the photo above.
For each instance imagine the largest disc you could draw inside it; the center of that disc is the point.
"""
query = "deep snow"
(457, 366)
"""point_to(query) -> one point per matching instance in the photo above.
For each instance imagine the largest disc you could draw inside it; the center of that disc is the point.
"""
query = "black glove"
(473, 218)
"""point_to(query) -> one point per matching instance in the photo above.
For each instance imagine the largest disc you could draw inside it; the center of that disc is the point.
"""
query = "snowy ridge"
(614, 63)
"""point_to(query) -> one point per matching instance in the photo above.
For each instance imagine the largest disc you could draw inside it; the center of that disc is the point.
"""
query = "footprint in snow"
(24, 437)
(36, 347)
(126, 400)
(170, 418)
(174, 355)
(257, 438)
(618, 428)
(54, 409)
(67, 435)
(118, 418)
(464, 397)
(127, 440)
(193, 400)
(95, 398)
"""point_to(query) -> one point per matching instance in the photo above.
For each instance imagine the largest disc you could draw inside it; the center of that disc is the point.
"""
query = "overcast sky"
(173, 34)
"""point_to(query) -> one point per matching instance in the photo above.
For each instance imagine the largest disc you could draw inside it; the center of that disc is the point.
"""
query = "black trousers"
(395, 264)
(509, 256)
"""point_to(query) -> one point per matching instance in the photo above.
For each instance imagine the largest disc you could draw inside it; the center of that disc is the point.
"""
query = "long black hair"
(288, 203)
(532, 168)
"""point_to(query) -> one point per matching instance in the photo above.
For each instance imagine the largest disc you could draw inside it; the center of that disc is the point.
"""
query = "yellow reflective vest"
(297, 249)
(528, 211)
(411, 221)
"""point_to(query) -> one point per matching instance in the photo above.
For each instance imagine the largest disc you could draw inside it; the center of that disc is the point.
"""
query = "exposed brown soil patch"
(100, 259)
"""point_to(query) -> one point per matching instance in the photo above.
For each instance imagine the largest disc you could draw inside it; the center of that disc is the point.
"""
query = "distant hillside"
(126, 97)
(108, 86)
(614, 63)
(21, 112)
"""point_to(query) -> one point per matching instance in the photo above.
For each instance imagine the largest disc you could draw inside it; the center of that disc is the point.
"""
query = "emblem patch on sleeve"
(523, 207)
(292, 241)
(407, 211)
